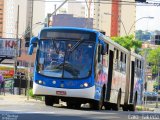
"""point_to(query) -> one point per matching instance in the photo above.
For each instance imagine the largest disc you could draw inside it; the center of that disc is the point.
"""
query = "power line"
(109, 2)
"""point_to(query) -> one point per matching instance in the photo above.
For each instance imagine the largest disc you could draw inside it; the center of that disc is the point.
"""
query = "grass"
(35, 97)
(142, 108)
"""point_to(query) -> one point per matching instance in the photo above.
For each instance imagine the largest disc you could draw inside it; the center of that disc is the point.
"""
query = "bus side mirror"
(99, 52)
(31, 48)
(33, 40)
(32, 43)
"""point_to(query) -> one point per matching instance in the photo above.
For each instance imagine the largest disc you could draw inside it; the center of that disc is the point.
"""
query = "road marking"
(25, 112)
(108, 117)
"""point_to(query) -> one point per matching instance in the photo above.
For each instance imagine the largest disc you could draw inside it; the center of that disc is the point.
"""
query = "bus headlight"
(54, 82)
(85, 84)
(39, 81)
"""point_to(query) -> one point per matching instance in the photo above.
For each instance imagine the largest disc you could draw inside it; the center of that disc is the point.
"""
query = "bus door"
(110, 72)
(132, 80)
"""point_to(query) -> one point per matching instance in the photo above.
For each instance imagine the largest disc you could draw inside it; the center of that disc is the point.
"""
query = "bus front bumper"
(88, 93)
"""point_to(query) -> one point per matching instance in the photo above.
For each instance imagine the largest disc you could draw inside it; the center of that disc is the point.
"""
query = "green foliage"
(142, 108)
(128, 42)
(27, 32)
(143, 35)
(139, 34)
(153, 57)
(155, 86)
(31, 93)
(35, 97)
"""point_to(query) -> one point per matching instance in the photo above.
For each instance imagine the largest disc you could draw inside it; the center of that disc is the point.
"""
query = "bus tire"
(73, 105)
(132, 107)
(117, 106)
(107, 106)
(125, 107)
(97, 105)
(49, 100)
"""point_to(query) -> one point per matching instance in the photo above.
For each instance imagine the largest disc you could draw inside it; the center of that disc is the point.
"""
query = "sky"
(141, 11)
(148, 24)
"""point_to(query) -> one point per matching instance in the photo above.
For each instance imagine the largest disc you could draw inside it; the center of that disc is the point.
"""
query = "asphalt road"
(36, 110)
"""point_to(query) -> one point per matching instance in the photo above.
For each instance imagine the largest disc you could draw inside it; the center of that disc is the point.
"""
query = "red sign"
(8, 47)
(10, 44)
(61, 92)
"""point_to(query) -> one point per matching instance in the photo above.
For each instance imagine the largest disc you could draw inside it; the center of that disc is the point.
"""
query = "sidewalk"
(9, 99)
(152, 107)
(157, 110)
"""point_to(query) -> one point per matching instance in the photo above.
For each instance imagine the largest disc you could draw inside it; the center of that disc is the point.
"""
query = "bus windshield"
(65, 58)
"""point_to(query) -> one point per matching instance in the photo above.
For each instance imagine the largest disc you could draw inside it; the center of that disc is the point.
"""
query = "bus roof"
(70, 28)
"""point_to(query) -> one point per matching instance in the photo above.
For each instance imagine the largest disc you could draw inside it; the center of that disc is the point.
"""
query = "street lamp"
(137, 21)
(158, 58)
(119, 20)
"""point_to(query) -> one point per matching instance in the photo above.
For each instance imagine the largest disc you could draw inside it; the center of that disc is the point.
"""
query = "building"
(25, 13)
(71, 21)
(10, 15)
(155, 39)
(114, 17)
(76, 8)
(1, 17)
(89, 9)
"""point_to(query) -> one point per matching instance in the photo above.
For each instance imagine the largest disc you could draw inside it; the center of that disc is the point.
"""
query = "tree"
(143, 35)
(155, 86)
(128, 42)
(154, 59)
(27, 36)
(139, 34)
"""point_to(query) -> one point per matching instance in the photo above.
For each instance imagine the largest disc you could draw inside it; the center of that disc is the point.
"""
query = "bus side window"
(124, 63)
(117, 59)
(107, 47)
(137, 68)
(99, 53)
(117, 54)
(140, 66)
(121, 61)
(121, 57)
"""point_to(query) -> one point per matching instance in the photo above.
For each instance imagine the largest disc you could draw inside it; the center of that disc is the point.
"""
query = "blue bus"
(78, 66)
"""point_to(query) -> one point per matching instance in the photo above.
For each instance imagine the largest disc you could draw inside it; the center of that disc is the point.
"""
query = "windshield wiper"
(76, 45)
(69, 68)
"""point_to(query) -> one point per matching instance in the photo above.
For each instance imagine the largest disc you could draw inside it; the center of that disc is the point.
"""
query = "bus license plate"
(61, 93)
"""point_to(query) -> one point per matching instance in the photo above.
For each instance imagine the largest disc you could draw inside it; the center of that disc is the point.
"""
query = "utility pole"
(88, 4)
(54, 13)
(16, 47)
(55, 7)
(145, 79)
(29, 63)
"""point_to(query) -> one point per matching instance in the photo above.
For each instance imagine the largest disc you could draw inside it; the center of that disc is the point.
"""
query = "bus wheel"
(49, 100)
(108, 106)
(117, 106)
(132, 107)
(125, 107)
(97, 105)
(73, 105)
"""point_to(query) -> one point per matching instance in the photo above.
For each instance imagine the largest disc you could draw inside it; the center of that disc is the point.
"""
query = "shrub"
(35, 97)
(31, 93)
